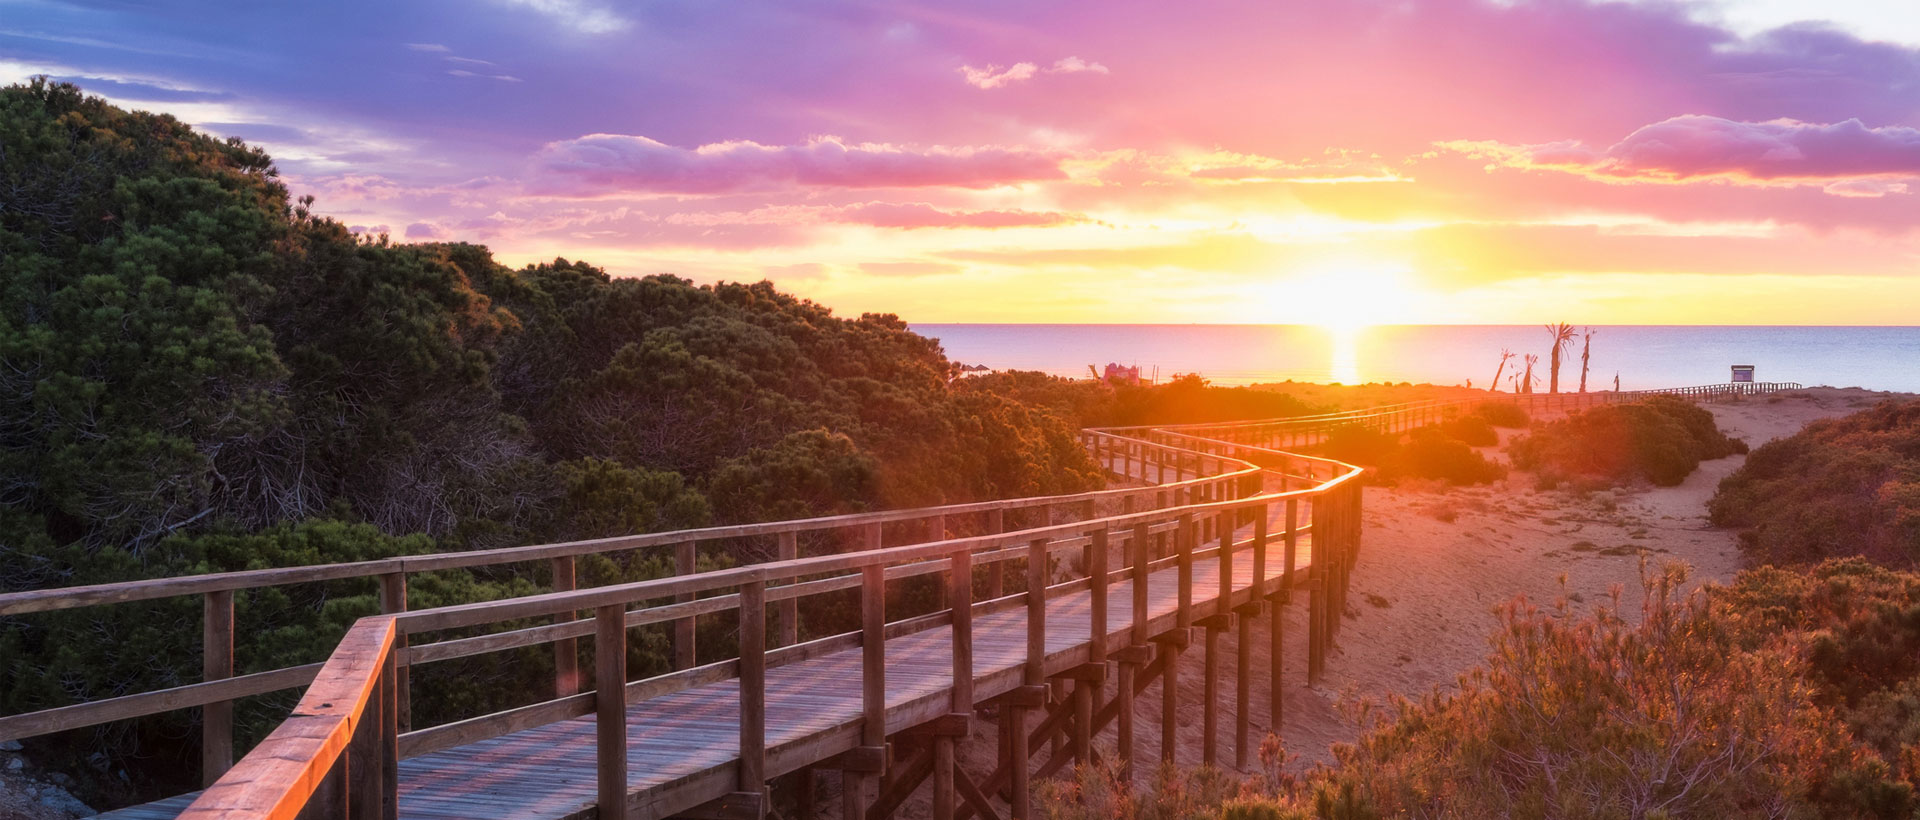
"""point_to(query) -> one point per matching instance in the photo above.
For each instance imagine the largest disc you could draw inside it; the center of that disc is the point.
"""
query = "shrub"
(1427, 454)
(1660, 440)
(1691, 711)
(1474, 430)
(1847, 486)
(1432, 454)
(1502, 414)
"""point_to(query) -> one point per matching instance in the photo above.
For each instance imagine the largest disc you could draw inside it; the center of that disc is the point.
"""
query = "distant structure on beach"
(1742, 373)
(1117, 374)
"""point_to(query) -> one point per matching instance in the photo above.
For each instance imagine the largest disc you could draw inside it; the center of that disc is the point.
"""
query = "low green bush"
(1427, 453)
(1661, 440)
(1786, 694)
(1502, 414)
(1847, 486)
(1474, 430)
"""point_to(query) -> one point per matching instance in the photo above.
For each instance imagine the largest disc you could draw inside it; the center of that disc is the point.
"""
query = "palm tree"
(1586, 350)
(1505, 354)
(1526, 382)
(1562, 336)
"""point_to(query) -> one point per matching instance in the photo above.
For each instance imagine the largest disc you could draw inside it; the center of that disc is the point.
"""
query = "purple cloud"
(600, 163)
(910, 215)
(1697, 146)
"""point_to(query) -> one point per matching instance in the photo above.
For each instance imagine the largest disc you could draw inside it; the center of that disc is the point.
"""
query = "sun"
(1345, 299)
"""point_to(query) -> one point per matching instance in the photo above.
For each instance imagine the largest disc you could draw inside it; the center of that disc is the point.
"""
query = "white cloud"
(1070, 65)
(994, 77)
(435, 47)
(580, 15)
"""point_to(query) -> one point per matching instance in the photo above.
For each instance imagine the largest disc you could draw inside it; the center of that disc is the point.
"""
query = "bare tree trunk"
(1586, 351)
(1504, 356)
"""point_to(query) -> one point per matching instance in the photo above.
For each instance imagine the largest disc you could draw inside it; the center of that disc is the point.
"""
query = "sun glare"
(1344, 300)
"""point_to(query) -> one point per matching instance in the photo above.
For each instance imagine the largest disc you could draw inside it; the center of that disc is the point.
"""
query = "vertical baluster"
(216, 663)
(753, 687)
(789, 609)
(686, 561)
(566, 651)
(610, 709)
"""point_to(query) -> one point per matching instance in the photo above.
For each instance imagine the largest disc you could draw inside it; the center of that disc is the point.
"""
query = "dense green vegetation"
(1786, 694)
(198, 373)
(1186, 399)
(1846, 486)
(1659, 440)
(1433, 453)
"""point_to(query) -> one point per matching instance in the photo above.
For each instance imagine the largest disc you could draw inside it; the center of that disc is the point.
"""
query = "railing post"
(858, 786)
(996, 571)
(960, 593)
(1097, 571)
(686, 561)
(1033, 674)
(789, 609)
(216, 663)
(566, 654)
(610, 709)
(753, 688)
(1184, 536)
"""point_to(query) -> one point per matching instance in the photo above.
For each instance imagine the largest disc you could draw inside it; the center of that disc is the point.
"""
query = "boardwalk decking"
(683, 746)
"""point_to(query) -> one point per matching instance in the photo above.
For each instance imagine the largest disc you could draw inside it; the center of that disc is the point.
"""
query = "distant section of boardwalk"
(1054, 613)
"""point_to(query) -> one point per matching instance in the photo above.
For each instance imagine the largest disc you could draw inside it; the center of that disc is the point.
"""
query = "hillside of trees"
(201, 373)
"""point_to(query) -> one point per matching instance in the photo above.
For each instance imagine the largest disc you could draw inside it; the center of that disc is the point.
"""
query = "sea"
(1641, 357)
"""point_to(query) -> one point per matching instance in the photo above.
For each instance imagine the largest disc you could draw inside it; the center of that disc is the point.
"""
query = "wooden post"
(753, 687)
(996, 571)
(960, 593)
(393, 600)
(610, 709)
(1034, 673)
(1097, 571)
(1210, 694)
(566, 651)
(1183, 542)
(686, 559)
(216, 663)
(1243, 686)
(789, 609)
(857, 787)
(937, 531)
(391, 701)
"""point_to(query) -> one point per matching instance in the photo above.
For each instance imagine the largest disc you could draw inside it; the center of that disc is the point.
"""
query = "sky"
(1333, 162)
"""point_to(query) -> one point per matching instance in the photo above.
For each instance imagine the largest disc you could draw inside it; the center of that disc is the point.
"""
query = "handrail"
(1215, 462)
(750, 593)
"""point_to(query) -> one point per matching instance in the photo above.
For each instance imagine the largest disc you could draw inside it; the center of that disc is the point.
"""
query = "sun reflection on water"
(1343, 354)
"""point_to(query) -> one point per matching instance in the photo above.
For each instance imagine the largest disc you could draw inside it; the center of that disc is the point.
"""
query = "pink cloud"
(1696, 146)
(993, 76)
(910, 215)
(600, 163)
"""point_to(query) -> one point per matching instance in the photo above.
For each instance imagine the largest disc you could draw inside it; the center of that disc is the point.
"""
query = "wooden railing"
(1174, 533)
(1190, 471)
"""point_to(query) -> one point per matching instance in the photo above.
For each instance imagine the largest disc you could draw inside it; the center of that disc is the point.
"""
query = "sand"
(1434, 564)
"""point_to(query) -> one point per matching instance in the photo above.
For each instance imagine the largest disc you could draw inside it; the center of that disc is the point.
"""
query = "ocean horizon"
(1642, 356)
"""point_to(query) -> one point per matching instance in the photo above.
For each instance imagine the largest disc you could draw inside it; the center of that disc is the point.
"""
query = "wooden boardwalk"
(885, 706)
(681, 742)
